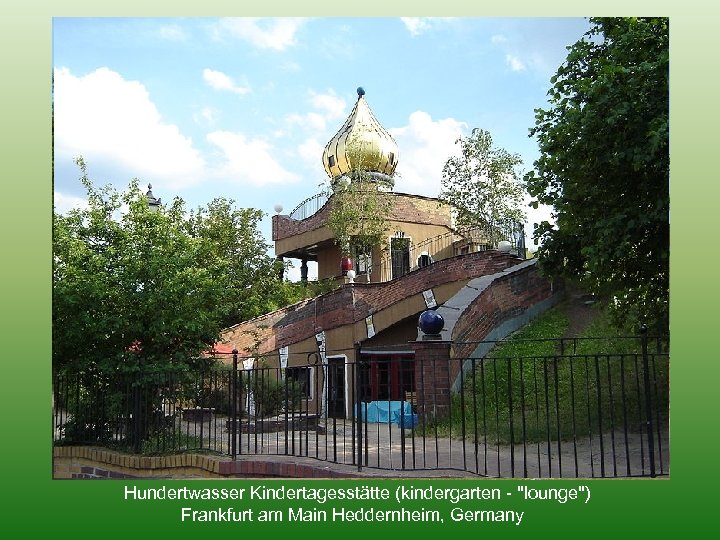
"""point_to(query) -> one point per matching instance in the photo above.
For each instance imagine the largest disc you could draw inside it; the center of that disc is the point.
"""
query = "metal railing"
(309, 206)
(413, 256)
(566, 414)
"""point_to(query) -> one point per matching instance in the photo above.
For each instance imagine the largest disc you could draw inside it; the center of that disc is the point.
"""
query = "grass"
(526, 390)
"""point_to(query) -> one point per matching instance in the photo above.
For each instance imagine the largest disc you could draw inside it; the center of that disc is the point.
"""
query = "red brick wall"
(407, 208)
(285, 227)
(432, 378)
(507, 297)
(352, 303)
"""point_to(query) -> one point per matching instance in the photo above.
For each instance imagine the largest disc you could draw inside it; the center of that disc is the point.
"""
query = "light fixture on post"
(152, 202)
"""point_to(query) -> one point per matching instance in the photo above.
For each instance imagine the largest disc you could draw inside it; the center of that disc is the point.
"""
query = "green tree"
(483, 186)
(236, 255)
(360, 204)
(604, 167)
(132, 286)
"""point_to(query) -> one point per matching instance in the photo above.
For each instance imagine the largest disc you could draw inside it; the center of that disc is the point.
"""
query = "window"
(361, 257)
(424, 260)
(303, 377)
(399, 255)
(331, 161)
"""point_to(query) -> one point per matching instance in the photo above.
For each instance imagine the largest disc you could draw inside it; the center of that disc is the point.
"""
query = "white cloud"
(332, 105)
(249, 161)
(535, 215)
(312, 121)
(220, 81)
(268, 33)
(416, 25)
(419, 25)
(104, 117)
(514, 62)
(329, 107)
(536, 47)
(425, 145)
(173, 32)
(207, 116)
(63, 203)
(310, 152)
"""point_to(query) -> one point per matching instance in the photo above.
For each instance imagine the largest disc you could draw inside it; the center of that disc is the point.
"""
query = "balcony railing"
(309, 206)
(409, 256)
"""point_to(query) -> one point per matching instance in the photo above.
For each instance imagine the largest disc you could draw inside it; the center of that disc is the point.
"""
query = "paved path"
(390, 452)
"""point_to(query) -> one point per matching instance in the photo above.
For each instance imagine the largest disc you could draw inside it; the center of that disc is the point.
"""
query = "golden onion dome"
(361, 143)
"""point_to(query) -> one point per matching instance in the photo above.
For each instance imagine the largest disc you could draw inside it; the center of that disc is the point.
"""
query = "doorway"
(387, 376)
(399, 256)
(336, 387)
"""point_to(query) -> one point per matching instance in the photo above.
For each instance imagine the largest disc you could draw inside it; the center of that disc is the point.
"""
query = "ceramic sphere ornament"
(431, 322)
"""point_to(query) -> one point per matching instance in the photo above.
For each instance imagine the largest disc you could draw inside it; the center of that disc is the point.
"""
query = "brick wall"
(432, 378)
(505, 298)
(502, 298)
(407, 208)
(82, 462)
(285, 227)
(352, 303)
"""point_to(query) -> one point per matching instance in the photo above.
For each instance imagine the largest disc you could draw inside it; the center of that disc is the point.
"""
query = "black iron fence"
(567, 414)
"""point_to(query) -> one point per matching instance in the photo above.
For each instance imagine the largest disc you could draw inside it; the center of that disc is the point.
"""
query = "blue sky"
(243, 107)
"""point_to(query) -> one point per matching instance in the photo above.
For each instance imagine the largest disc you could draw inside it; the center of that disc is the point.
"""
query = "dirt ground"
(580, 311)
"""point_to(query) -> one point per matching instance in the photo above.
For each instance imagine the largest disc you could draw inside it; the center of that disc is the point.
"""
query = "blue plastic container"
(408, 421)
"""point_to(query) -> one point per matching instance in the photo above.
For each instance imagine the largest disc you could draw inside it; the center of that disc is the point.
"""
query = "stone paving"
(390, 451)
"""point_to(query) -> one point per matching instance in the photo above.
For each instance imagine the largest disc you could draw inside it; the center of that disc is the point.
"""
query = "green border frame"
(33, 503)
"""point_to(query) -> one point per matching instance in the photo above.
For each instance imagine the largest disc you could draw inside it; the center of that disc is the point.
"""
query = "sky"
(242, 107)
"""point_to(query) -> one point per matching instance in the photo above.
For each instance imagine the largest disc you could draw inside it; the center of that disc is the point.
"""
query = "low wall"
(91, 463)
(353, 302)
(487, 308)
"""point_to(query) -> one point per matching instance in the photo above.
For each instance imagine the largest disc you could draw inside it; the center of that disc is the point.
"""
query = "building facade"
(366, 329)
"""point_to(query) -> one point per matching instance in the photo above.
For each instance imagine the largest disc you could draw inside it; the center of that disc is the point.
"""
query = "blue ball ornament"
(431, 322)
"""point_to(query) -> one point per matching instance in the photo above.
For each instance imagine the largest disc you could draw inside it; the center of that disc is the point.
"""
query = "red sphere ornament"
(346, 264)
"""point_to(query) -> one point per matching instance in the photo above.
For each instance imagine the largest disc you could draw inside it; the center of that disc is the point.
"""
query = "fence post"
(233, 407)
(358, 407)
(648, 399)
(137, 413)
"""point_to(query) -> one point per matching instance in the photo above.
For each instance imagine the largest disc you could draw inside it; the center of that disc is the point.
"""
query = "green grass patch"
(526, 389)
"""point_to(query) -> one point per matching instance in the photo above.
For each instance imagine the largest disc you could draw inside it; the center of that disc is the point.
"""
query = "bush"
(271, 397)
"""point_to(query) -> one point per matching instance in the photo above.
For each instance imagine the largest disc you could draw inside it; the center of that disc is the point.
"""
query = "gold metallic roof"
(361, 143)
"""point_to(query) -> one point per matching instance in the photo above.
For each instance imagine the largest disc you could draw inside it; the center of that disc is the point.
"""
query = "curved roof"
(361, 143)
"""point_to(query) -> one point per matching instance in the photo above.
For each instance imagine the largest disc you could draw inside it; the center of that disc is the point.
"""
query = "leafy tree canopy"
(483, 186)
(604, 167)
(360, 203)
(134, 286)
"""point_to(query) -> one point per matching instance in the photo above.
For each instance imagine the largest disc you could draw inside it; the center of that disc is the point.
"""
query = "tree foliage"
(236, 254)
(360, 204)
(483, 186)
(132, 286)
(604, 167)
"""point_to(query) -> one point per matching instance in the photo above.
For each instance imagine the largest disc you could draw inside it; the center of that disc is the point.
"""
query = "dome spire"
(361, 143)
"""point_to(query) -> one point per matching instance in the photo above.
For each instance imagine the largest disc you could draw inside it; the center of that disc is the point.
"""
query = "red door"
(387, 377)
